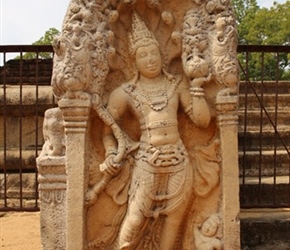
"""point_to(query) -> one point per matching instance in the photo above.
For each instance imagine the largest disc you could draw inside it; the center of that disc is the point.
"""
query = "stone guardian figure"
(142, 150)
(162, 179)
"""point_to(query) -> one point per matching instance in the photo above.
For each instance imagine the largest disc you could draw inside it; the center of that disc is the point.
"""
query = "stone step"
(13, 162)
(27, 80)
(254, 118)
(254, 163)
(265, 191)
(256, 129)
(268, 101)
(14, 193)
(27, 97)
(268, 87)
(13, 188)
(28, 71)
(265, 229)
(254, 140)
(25, 133)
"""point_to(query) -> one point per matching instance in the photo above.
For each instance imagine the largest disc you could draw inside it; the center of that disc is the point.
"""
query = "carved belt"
(164, 156)
(159, 124)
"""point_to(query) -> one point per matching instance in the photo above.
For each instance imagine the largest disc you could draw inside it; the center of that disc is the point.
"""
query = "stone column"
(228, 124)
(75, 114)
(52, 192)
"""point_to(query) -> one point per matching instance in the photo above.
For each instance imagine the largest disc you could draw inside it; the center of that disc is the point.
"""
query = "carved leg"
(131, 227)
(172, 222)
(171, 228)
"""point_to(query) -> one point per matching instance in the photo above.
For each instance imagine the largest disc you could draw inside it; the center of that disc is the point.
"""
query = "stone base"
(265, 229)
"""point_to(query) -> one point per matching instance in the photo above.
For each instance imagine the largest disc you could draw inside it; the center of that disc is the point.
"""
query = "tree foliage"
(263, 26)
(245, 12)
(46, 39)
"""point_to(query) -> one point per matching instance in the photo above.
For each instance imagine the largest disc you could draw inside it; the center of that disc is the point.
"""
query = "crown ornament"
(140, 35)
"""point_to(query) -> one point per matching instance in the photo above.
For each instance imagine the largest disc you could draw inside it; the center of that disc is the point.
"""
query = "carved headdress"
(140, 35)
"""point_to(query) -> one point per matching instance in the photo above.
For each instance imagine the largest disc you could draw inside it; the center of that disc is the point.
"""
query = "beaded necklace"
(156, 99)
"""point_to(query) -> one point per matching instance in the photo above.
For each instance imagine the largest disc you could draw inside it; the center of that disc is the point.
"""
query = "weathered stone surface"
(25, 72)
(52, 191)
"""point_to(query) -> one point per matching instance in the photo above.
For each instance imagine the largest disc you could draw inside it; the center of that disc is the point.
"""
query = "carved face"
(209, 228)
(148, 60)
(71, 68)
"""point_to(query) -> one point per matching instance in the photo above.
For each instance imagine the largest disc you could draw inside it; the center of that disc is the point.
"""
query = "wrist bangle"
(198, 94)
(188, 109)
(196, 91)
(111, 152)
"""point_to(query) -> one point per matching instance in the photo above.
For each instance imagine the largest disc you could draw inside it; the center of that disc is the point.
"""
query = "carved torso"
(158, 120)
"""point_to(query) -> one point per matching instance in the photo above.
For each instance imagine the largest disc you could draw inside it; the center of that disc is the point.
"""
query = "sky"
(25, 21)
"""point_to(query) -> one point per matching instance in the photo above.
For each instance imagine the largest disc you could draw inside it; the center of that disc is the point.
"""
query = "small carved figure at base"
(53, 133)
(205, 236)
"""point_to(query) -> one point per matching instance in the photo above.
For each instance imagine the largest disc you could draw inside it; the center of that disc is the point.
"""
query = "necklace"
(138, 96)
(156, 99)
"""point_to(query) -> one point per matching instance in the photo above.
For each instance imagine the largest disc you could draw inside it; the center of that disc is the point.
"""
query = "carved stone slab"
(147, 93)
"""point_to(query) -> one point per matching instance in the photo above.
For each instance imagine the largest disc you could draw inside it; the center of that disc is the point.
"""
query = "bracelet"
(188, 110)
(196, 91)
(111, 152)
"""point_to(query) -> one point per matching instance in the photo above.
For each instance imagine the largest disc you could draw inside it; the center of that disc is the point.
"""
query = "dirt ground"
(19, 231)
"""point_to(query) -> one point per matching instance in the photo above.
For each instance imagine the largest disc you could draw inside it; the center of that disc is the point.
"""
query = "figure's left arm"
(193, 101)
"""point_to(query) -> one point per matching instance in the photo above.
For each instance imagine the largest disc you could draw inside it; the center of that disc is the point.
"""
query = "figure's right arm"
(117, 106)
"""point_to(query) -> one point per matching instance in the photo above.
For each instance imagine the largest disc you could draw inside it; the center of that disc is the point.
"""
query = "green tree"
(262, 26)
(270, 26)
(245, 11)
(46, 39)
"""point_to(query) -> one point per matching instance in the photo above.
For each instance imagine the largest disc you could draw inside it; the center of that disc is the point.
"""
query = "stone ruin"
(141, 152)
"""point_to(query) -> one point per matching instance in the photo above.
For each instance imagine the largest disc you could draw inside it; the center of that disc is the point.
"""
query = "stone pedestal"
(75, 114)
(228, 124)
(52, 191)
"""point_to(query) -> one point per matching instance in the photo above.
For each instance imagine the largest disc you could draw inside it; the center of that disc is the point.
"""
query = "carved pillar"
(228, 124)
(75, 113)
(52, 191)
